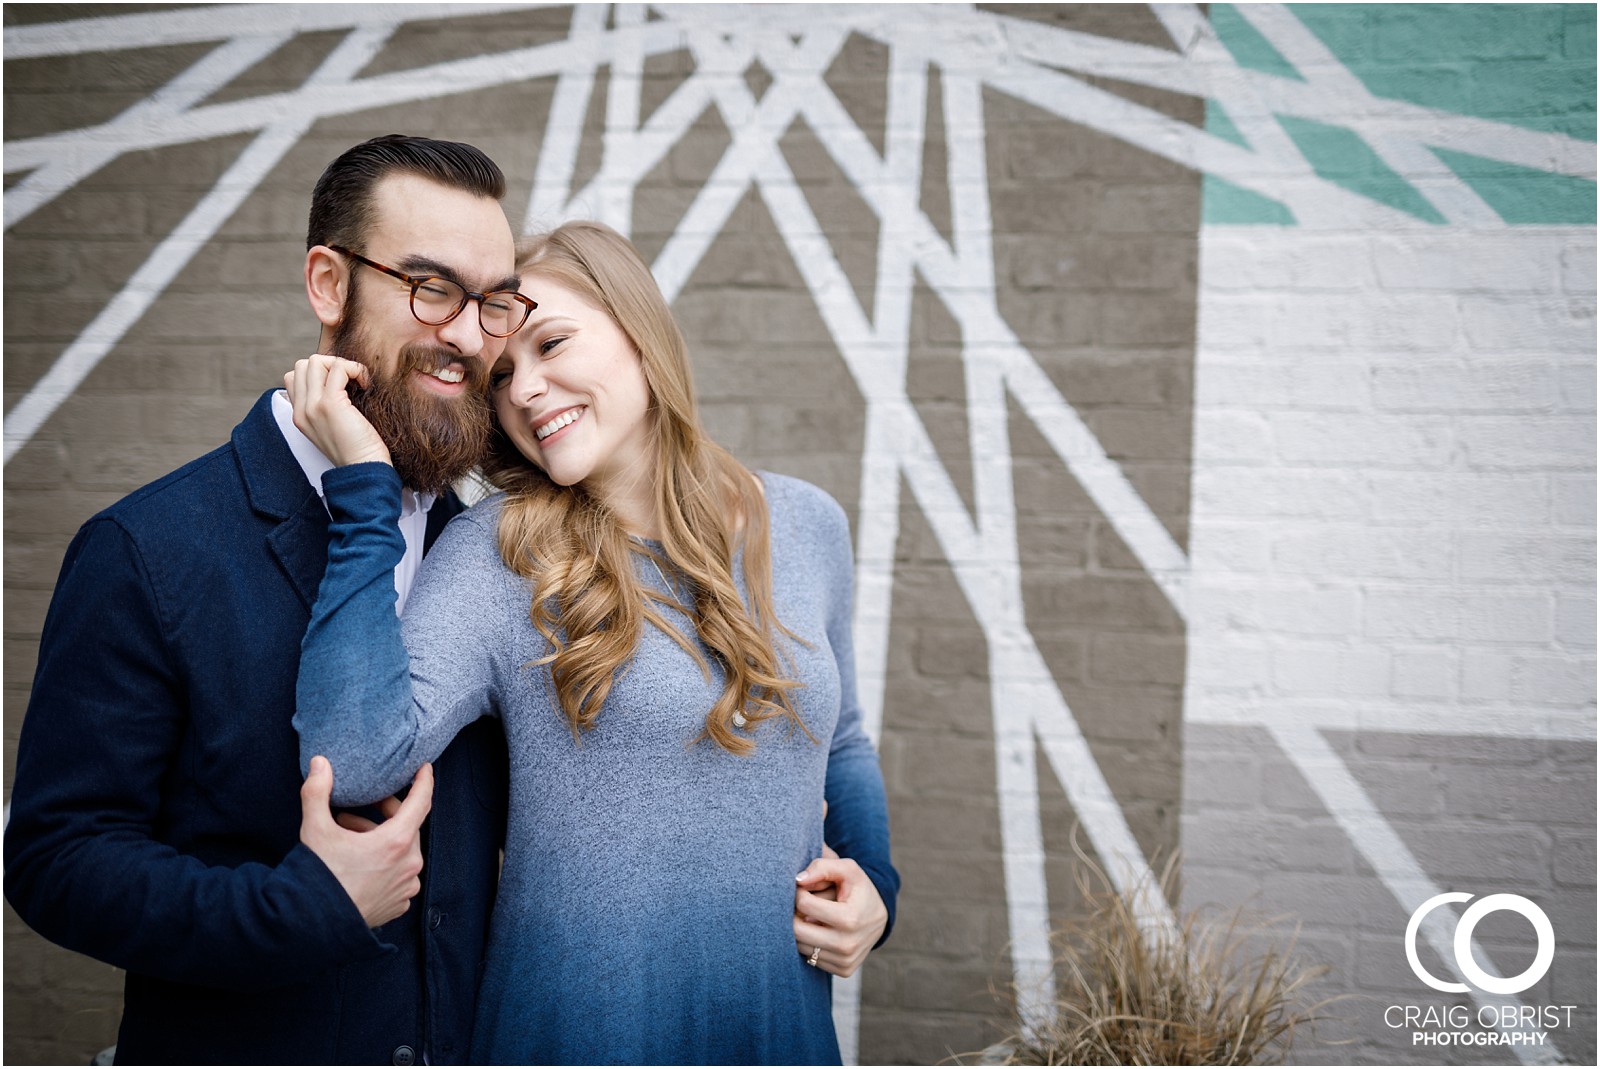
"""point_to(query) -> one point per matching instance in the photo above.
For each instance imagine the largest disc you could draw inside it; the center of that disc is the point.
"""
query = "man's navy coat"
(155, 811)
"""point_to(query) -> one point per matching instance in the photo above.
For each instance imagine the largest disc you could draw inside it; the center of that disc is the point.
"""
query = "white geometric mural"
(959, 52)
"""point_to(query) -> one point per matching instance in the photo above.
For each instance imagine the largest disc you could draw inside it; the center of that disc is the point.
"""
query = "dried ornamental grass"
(1146, 994)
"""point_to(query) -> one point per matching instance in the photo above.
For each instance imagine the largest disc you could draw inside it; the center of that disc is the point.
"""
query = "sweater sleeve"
(857, 824)
(377, 712)
(84, 862)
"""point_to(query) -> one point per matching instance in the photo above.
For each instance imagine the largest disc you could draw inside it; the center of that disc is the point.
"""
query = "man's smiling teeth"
(569, 416)
(447, 374)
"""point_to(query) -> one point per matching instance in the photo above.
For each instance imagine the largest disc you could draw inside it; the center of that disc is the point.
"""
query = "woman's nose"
(527, 385)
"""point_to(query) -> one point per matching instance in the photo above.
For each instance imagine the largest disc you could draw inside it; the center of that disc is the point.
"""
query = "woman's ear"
(327, 279)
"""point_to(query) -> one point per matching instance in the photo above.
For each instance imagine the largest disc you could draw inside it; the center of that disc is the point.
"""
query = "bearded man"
(155, 823)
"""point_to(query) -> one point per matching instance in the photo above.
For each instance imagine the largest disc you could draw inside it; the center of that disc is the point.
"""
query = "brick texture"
(1384, 556)
(1363, 421)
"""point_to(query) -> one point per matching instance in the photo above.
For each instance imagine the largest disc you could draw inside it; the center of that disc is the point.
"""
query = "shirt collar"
(314, 462)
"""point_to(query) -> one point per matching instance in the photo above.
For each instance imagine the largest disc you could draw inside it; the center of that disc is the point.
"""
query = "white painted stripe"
(1023, 854)
(623, 104)
(751, 126)
(1453, 198)
(315, 100)
(627, 159)
(1535, 149)
(970, 48)
(1455, 718)
(174, 253)
(1314, 201)
(1252, 113)
(993, 590)
(945, 39)
(1134, 521)
(1395, 865)
(212, 71)
(878, 514)
(1059, 48)
(1052, 47)
(563, 126)
(1032, 687)
(756, 130)
(151, 29)
(878, 511)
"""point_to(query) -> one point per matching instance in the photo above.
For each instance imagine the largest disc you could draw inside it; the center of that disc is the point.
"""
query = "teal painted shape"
(1577, 31)
(1249, 48)
(1218, 123)
(1342, 157)
(1225, 204)
(1530, 65)
(1522, 194)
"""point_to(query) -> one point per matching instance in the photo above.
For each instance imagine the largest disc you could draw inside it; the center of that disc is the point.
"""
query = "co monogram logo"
(1508, 985)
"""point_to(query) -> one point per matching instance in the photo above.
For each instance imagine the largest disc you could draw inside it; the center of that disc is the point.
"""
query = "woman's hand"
(323, 412)
(838, 915)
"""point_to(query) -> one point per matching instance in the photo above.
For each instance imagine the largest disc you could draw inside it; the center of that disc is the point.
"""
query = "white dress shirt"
(413, 506)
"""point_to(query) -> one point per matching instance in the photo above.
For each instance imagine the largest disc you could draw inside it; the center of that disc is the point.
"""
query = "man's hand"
(378, 865)
(838, 915)
(324, 413)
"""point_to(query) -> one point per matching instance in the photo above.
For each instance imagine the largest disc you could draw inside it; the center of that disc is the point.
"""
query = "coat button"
(435, 918)
(404, 1055)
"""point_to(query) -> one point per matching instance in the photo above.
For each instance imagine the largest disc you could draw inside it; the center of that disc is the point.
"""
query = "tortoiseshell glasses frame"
(435, 301)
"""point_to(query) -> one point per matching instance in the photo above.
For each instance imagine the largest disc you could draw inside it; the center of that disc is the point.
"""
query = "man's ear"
(327, 277)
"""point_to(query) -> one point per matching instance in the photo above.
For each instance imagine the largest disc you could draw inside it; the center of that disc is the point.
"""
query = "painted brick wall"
(1391, 653)
(1211, 392)
(1390, 686)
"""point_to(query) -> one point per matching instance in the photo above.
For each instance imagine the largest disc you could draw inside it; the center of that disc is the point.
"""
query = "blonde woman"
(665, 637)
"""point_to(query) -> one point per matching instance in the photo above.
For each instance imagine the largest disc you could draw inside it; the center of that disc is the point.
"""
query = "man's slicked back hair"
(341, 204)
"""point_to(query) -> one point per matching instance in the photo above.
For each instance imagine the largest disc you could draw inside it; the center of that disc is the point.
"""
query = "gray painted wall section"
(1273, 542)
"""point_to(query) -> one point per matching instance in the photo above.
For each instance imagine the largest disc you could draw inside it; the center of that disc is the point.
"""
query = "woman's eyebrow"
(535, 324)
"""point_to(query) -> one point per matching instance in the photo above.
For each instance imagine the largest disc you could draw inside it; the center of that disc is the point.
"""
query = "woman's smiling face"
(571, 394)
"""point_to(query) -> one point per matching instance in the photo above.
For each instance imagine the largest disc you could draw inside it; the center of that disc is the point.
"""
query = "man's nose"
(463, 333)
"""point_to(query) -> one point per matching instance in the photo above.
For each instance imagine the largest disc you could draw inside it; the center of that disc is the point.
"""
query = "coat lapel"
(278, 490)
(301, 545)
(445, 508)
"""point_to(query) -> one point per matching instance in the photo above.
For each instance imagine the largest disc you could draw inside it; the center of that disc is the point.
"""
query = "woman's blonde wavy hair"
(587, 601)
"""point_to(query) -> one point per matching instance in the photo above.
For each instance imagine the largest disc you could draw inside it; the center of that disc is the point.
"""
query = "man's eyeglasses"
(436, 301)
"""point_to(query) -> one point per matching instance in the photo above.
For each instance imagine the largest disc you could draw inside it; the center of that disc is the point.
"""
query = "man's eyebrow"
(422, 265)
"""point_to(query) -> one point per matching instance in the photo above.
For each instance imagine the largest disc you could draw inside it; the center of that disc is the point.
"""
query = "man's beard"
(433, 439)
